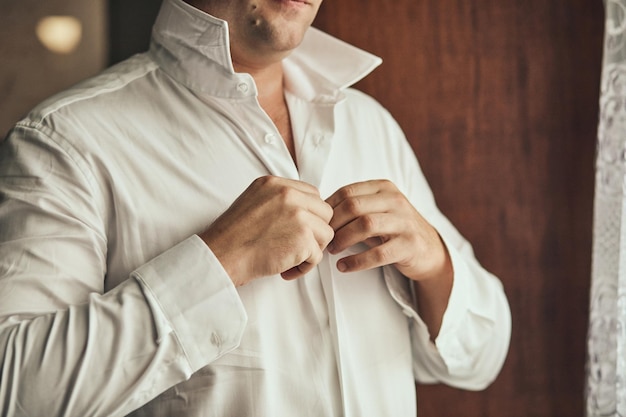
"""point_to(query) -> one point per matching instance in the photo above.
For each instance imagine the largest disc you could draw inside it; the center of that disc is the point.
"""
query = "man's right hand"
(276, 226)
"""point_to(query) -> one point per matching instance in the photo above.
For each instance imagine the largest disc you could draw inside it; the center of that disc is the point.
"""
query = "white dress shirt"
(110, 303)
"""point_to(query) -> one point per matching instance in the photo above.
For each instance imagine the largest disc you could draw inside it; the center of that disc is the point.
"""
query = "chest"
(172, 178)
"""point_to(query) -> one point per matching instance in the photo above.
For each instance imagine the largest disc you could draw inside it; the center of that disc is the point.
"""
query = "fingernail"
(341, 266)
(331, 247)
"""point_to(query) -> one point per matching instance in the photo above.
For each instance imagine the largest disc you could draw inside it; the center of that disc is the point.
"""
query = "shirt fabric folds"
(110, 303)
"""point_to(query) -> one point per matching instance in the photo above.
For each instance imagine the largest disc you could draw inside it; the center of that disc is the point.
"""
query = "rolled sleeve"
(474, 337)
(473, 340)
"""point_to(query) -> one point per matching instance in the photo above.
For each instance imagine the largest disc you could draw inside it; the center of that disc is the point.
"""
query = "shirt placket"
(313, 132)
(257, 130)
(313, 129)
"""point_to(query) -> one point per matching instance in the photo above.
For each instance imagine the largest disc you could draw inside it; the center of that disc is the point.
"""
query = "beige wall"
(28, 71)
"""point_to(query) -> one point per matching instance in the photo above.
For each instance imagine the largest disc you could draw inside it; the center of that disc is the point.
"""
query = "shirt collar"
(193, 47)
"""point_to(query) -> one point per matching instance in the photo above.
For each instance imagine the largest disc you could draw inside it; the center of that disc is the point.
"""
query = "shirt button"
(243, 87)
(270, 138)
(318, 139)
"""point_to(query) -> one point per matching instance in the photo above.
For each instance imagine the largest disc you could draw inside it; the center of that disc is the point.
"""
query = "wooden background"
(499, 100)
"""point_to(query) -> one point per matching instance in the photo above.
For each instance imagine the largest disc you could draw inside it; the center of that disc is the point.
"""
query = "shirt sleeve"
(474, 337)
(473, 341)
(66, 347)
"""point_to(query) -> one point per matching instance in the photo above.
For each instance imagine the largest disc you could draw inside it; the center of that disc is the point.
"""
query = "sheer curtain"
(606, 366)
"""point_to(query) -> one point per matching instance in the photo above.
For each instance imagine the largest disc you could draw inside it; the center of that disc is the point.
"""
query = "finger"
(304, 196)
(304, 267)
(358, 189)
(297, 271)
(364, 229)
(323, 234)
(277, 182)
(315, 239)
(385, 254)
(351, 208)
(321, 209)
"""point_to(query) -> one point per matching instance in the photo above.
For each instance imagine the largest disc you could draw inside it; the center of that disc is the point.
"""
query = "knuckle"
(353, 205)
(382, 255)
(329, 212)
(300, 254)
(339, 238)
(301, 218)
(328, 237)
(367, 223)
(264, 180)
(316, 257)
(330, 232)
(286, 195)
(347, 192)
(385, 183)
(398, 198)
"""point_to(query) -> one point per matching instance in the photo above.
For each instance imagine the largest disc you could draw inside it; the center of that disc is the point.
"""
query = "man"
(220, 227)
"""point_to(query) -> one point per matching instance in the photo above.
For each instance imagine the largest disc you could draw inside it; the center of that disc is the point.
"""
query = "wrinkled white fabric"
(110, 303)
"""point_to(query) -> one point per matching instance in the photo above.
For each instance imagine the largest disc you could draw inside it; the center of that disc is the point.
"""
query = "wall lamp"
(60, 34)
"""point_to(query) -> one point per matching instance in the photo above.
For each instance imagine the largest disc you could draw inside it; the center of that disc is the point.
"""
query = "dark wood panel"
(499, 101)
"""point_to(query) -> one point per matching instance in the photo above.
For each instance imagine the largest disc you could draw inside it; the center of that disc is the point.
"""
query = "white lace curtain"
(606, 366)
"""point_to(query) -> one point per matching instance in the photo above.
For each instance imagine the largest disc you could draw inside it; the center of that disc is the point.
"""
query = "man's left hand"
(379, 215)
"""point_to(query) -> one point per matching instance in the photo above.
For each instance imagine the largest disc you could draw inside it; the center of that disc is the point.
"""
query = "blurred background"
(499, 100)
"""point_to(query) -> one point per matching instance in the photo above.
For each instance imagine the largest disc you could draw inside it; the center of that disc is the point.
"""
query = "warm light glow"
(60, 34)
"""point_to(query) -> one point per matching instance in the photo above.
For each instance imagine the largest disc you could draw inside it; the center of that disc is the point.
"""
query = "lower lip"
(292, 3)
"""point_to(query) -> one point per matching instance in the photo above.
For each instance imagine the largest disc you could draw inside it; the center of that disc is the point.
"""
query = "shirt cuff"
(464, 329)
(191, 294)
